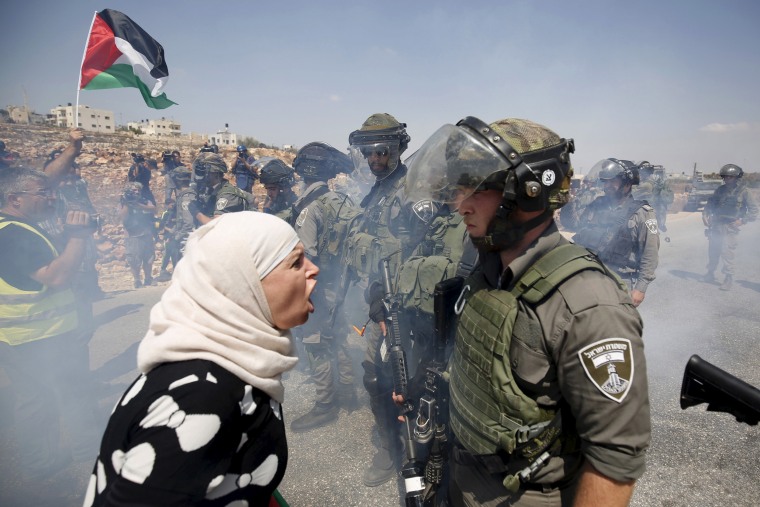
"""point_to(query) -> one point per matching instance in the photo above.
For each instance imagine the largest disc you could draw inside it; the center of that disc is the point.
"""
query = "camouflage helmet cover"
(526, 161)
(181, 173)
(378, 133)
(133, 187)
(546, 184)
(731, 170)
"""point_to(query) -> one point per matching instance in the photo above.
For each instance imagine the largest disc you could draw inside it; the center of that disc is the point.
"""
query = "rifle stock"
(706, 383)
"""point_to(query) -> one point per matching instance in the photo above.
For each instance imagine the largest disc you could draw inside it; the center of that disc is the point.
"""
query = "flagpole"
(84, 55)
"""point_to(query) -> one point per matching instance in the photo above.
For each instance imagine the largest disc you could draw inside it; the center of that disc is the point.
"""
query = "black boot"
(321, 415)
(727, 283)
(383, 465)
(347, 397)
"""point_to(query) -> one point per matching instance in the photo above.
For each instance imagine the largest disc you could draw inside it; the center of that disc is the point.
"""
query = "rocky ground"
(104, 161)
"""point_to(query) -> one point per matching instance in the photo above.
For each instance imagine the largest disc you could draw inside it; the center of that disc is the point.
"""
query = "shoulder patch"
(652, 225)
(424, 210)
(302, 217)
(221, 203)
(609, 365)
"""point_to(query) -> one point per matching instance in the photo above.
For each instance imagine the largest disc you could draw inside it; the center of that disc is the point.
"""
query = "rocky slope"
(104, 161)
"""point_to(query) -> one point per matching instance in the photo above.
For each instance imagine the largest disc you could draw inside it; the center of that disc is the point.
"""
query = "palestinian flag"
(120, 54)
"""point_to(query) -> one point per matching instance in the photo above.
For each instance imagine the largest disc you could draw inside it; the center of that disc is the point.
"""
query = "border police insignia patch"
(424, 210)
(302, 217)
(609, 365)
(652, 225)
(221, 203)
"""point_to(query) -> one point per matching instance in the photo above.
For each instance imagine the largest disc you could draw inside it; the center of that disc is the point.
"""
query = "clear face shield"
(380, 158)
(450, 166)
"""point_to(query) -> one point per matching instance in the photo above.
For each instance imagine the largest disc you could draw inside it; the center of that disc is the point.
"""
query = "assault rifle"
(706, 383)
(431, 423)
(412, 470)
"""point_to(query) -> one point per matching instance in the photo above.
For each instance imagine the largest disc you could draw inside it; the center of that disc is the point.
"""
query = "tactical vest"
(246, 199)
(434, 260)
(372, 240)
(26, 316)
(489, 412)
(184, 223)
(608, 235)
(339, 214)
(728, 204)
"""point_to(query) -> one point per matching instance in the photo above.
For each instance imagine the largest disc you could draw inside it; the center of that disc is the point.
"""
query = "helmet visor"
(380, 157)
(451, 165)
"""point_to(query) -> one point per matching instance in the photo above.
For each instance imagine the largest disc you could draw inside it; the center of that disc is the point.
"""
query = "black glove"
(374, 296)
(377, 311)
(194, 208)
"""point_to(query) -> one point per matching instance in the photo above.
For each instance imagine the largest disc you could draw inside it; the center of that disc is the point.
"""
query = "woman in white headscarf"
(203, 424)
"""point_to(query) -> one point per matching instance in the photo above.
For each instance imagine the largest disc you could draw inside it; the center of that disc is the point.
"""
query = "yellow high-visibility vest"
(27, 316)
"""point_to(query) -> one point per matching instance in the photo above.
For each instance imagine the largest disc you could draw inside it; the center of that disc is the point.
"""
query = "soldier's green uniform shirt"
(184, 220)
(624, 236)
(311, 222)
(227, 198)
(560, 359)
(729, 204)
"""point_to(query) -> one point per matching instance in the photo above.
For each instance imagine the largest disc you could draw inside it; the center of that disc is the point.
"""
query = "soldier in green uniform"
(622, 231)
(216, 195)
(380, 233)
(730, 207)
(654, 189)
(183, 222)
(278, 181)
(549, 401)
(321, 218)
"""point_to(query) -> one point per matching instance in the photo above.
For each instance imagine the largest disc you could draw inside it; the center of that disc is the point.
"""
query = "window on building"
(94, 126)
(107, 117)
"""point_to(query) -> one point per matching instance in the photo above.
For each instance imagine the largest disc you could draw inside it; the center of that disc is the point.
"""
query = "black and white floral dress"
(190, 433)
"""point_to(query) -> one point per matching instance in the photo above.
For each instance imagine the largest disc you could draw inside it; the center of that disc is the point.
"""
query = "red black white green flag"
(120, 54)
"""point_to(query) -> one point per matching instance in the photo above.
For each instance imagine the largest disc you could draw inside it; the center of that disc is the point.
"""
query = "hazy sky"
(673, 82)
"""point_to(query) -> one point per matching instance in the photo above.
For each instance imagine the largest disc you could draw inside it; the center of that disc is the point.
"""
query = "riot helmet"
(379, 144)
(206, 163)
(320, 161)
(241, 148)
(276, 172)
(646, 169)
(528, 163)
(611, 168)
(181, 174)
(731, 170)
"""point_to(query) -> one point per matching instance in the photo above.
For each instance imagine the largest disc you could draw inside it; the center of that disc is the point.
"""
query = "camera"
(137, 158)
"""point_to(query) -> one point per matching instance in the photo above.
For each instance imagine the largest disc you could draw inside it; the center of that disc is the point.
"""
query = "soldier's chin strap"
(502, 233)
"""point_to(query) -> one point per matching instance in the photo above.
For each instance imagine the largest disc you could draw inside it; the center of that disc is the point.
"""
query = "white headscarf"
(215, 308)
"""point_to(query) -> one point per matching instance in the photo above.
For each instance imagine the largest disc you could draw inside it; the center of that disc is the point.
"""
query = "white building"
(223, 137)
(93, 120)
(157, 128)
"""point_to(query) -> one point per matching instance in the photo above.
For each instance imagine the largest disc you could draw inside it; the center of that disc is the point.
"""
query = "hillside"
(104, 161)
